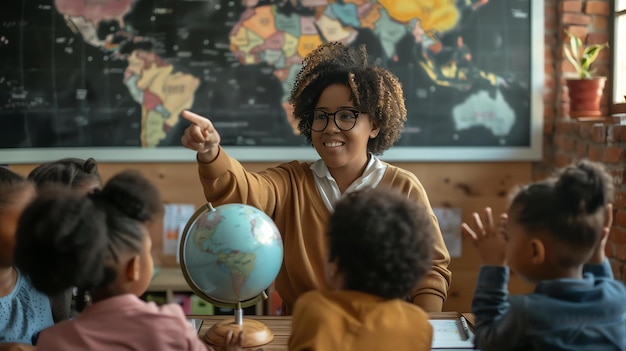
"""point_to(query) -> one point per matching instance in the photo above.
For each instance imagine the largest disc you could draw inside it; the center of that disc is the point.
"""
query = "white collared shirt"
(328, 188)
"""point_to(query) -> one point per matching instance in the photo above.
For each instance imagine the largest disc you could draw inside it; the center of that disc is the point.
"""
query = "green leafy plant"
(582, 57)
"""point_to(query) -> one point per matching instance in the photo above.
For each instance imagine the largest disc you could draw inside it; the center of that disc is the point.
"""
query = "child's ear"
(133, 269)
(608, 217)
(538, 251)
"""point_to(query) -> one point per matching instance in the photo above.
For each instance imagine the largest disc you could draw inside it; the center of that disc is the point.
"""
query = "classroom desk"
(281, 326)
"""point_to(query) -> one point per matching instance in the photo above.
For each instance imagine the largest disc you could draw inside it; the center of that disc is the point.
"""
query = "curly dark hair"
(66, 239)
(381, 241)
(73, 172)
(374, 90)
(11, 184)
(570, 206)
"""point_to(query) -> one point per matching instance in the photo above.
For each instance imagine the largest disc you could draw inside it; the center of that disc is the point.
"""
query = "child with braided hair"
(554, 235)
(100, 244)
(76, 173)
(350, 111)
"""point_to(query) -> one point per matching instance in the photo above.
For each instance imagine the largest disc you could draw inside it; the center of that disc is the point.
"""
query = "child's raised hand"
(200, 136)
(488, 239)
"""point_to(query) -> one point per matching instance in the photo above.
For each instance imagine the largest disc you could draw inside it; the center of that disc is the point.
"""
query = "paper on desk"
(448, 334)
(174, 220)
(450, 225)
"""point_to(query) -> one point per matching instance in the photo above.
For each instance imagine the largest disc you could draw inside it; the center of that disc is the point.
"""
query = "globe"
(230, 254)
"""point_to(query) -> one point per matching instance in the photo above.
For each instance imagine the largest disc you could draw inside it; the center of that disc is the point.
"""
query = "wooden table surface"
(281, 326)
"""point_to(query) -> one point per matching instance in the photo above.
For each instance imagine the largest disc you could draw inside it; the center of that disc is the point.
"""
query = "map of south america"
(162, 92)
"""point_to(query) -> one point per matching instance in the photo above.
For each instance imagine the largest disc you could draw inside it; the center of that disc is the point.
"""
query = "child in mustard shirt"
(380, 248)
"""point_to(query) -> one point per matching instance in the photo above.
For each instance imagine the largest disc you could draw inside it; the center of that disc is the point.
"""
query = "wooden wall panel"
(469, 186)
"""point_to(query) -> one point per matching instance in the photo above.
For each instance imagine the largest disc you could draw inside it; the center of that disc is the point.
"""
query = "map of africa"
(83, 73)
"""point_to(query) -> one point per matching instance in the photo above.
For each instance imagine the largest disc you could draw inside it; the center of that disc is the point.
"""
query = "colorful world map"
(236, 62)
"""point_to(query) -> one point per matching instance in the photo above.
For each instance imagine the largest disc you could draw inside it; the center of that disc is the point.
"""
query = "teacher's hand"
(201, 136)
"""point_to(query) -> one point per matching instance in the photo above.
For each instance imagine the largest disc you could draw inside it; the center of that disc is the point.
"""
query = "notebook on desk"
(451, 334)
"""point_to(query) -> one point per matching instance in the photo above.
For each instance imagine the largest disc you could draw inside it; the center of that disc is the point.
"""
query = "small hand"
(200, 136)
(234, 342)
(489, 241)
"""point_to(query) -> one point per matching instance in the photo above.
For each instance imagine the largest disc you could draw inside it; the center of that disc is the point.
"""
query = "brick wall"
(567, 140)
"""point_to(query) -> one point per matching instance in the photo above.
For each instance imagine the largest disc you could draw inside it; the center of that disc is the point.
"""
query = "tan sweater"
(288, 194)
(351, 320)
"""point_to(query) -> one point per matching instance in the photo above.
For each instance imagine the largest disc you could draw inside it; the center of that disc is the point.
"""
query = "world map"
(120, 72)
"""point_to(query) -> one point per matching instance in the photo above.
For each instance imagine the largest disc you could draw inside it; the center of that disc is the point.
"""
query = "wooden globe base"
(255, 332)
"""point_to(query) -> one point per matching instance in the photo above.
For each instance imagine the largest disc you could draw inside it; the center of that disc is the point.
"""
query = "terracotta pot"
(584, 96)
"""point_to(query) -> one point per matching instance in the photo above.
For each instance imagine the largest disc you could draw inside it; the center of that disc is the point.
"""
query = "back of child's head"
(11, 185)
(374, 90)
(570, 207)
(73, 172)
(381, 242)
(66, 239)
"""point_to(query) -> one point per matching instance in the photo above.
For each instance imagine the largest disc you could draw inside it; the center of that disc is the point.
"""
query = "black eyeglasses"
(345, 119)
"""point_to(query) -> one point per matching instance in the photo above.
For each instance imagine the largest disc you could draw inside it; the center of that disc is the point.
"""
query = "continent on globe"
(232, 252)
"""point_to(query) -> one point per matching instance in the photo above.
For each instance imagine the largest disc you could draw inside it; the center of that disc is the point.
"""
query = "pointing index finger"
(196, 119)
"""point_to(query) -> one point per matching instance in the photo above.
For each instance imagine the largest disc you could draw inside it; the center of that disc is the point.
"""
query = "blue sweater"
(24, 313)
(562, 314)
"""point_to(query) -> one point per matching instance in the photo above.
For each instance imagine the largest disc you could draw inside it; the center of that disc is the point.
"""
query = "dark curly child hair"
(66, 239)
(74, 172)
(570, 206)
(381, 241)
(11, 184)
(374, 90)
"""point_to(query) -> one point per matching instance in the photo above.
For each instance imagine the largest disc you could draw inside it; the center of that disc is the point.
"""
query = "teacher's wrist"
(209, 156)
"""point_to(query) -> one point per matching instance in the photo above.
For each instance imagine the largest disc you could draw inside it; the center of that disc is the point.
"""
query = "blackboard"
(109, 78)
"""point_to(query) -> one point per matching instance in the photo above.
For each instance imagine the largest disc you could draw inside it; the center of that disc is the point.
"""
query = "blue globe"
(231, 253)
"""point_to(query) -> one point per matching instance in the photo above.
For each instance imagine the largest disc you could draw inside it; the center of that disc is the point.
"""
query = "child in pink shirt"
(100, 244)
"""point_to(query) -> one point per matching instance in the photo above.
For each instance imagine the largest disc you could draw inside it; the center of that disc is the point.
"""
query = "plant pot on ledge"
(585, 96)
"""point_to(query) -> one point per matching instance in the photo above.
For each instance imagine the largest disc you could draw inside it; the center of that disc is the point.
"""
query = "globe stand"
(255, 332)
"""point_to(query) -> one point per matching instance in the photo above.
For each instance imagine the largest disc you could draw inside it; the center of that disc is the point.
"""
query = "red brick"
(619, 252)
(594, 153)
(613, 154)
(571, 6)
(614, 133)
(597, 8)
(619, 201)
(598, 133)
(564, 126)
(548, 124)
(584, 130)
(575, 19)
(618, 176)
(620, 218)
(600, 23)
(597, 38)
(562, 160)
(570, 144)
(579, 31)
(616, 267)
(617, 235)
(581, 149)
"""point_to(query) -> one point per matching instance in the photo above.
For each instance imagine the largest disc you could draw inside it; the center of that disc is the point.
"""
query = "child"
(99, 243)
(24, 311)
(554, 235)
(83, 176)
(73, 172)
(380, 248)
(350, 111)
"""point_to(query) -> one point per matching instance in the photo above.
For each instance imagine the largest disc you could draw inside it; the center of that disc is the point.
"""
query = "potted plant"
(585, 90)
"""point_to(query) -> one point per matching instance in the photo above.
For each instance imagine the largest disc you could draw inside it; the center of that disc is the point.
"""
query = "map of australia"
(120, 72)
